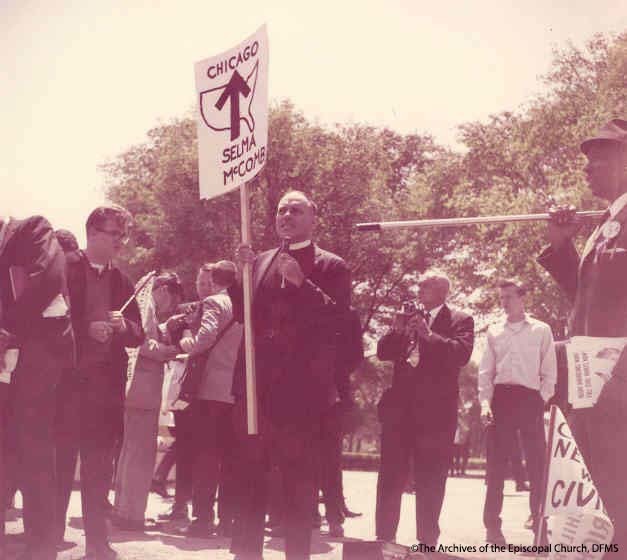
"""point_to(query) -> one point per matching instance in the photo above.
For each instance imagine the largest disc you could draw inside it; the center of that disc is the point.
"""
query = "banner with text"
(147, 311)
(578, 526)
(232, 120)
(591, 360)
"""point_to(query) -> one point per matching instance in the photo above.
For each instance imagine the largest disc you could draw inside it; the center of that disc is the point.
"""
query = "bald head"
(434, 289)
(295, 217)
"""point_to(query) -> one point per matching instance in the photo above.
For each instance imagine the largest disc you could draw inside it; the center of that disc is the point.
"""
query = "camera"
(410, 308)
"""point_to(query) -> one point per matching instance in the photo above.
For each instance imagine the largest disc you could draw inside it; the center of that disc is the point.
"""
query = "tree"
(356, 173)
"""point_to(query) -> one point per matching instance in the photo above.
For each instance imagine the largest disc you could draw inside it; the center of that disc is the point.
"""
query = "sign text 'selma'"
(232, 119)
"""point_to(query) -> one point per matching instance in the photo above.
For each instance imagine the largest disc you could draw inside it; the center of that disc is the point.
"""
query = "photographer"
(428, 343)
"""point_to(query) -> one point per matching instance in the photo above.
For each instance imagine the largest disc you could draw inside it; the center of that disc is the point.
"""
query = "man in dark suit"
(595, 283)
(300, 294)
(418, 413)
(98, 290)
(34, 318)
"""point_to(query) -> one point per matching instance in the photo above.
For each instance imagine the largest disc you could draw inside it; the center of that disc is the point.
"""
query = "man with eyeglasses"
(98, 290)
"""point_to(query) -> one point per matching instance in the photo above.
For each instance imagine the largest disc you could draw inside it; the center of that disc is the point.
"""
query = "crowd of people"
(69, 319)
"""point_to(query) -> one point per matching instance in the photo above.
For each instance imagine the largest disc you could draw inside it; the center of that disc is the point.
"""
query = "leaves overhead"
(507, 164)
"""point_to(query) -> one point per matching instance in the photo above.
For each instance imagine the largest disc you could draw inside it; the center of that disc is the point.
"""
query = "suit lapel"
(590, 244)
(443, 320)
(621, 218)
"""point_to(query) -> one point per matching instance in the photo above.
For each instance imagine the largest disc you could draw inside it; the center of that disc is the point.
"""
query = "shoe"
(159, 487)
(495, 536)
(529, 523)
(64, 545)
(199, 529)
(348, 513)
(102, 552)
(336, 530)
(178, 512)
(522, 487)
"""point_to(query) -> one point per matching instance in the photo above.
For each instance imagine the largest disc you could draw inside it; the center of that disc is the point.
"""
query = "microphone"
(284, 248)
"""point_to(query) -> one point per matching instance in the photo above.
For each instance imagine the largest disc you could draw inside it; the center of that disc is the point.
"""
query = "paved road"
(460, 524)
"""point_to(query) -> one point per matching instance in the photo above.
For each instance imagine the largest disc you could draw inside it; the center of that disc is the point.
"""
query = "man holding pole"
(595, 283)
(301, 292)
(106, 319)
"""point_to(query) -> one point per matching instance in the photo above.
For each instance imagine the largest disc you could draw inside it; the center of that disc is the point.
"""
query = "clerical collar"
(617, 206)
(300, 245)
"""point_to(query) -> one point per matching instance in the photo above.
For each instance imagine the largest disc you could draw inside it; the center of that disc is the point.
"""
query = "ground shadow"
(195, 543)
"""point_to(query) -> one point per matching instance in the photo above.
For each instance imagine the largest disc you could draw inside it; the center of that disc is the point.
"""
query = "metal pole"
(137, 290)
(247, 284)
(454, 222)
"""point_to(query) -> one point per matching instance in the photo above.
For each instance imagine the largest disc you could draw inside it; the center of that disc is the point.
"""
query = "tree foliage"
(507, 164)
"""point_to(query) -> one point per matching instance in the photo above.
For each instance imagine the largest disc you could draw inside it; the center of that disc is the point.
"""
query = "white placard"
(591, 361)
(232, 119)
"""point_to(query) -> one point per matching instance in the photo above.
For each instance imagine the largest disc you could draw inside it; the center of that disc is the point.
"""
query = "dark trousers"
(601, 435)
(514, 458)
(67, 431)
(184, 455)
(5, 482)
(212, 431)
(431, 449)
(294, 452)
(30, 446)
(514, 408)
(101, 424)
(228, 485)
(329, 467)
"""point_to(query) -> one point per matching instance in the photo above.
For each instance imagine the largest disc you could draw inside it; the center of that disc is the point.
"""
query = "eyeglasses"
(115, 234)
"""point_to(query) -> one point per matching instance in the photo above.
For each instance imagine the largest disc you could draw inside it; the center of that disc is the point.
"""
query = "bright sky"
(87, 79)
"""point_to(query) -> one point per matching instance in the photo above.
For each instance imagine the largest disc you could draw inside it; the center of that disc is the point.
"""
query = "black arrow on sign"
(236, 85)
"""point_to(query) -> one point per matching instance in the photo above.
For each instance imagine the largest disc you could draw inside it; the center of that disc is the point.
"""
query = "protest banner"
(146, 306)
(232, 150)
(232, 119)
(577, 524)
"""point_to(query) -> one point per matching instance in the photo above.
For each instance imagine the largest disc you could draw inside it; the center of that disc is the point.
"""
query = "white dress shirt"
(519, 354)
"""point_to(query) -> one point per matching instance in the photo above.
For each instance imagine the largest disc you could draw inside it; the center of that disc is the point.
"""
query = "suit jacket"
(110, 387)
(427, 394)
(597, 288)
(30, 245)
(309, 389)
(217, 321)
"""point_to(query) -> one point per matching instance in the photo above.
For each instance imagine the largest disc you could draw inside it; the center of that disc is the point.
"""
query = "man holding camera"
(428, 344)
